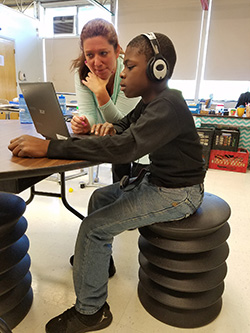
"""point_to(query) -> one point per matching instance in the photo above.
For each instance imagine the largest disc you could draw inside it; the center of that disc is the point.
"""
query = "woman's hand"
(29, 146)
(95, 84)
(98, 86)
(80, 125)
(103, 129)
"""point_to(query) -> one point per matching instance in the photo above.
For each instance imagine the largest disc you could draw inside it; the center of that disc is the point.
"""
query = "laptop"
(45, 110)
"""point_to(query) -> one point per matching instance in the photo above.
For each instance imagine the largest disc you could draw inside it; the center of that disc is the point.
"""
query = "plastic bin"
(206, 139)
(229, 160)
(226, 139)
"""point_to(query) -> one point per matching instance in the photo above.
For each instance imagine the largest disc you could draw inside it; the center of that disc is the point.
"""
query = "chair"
(2, 115)
(14, 115)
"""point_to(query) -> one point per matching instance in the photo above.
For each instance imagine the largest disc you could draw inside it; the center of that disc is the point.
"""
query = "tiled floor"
(52, 231)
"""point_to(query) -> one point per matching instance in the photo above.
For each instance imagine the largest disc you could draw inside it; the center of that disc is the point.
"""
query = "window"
(223, 90)
(54, 18)
(86, 13)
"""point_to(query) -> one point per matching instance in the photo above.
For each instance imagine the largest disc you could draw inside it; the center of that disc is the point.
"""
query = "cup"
(240, 111)
(232, 112)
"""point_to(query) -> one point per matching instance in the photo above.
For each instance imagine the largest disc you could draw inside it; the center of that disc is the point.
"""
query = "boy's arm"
(130, 118)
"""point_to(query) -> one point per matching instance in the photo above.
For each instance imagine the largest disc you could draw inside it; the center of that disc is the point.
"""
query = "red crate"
(229, 160)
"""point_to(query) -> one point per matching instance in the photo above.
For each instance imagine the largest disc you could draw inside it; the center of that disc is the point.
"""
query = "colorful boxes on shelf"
(194, 108)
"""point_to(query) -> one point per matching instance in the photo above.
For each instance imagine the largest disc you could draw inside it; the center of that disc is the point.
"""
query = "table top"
(12, 167)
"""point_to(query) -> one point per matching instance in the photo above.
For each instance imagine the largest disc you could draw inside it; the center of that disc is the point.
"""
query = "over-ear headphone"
(157, 67)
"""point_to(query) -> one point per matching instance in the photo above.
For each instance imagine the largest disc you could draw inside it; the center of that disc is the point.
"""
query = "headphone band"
(157, 67)
(153, 41)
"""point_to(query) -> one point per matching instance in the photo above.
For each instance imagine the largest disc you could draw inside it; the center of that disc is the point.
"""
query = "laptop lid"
(45, 110)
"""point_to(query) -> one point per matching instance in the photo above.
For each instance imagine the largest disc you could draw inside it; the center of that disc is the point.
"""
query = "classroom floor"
(52, 231)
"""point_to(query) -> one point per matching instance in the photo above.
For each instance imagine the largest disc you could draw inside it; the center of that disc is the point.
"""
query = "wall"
(228, 50)
(180, 20)
(24, 31)
(59, 54)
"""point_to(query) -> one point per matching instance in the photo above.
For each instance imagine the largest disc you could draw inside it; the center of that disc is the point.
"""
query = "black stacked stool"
(182, 266)
(16, 294)
(4, 328)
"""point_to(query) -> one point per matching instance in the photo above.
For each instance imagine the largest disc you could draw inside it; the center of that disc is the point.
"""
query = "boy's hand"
(103, 129)
(29, 146)
(80, 125)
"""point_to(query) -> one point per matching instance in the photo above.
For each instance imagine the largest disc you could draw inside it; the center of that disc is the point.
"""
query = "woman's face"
(100, 56)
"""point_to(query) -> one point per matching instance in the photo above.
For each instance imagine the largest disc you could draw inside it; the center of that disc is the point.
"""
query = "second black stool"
(182, 265)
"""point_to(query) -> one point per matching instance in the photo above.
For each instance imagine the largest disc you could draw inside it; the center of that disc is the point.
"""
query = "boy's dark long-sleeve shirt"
(164, 129)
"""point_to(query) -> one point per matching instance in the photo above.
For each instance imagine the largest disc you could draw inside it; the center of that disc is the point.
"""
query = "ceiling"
(24, 4)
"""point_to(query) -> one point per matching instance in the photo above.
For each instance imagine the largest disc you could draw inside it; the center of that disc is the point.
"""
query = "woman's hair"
(94, 28)
(166, 48)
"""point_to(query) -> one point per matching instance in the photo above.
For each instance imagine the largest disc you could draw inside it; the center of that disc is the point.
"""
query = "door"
(8, 84)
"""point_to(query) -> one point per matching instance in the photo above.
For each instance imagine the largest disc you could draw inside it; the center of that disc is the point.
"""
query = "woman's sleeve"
(85, 101)
(114, 112)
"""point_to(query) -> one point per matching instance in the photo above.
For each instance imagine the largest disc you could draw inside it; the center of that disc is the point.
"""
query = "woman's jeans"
(111, 211)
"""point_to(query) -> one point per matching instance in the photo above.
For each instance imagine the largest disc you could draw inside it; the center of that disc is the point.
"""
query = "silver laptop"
(45, 110)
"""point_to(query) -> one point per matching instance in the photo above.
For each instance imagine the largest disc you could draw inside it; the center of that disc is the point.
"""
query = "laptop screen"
(45, 110)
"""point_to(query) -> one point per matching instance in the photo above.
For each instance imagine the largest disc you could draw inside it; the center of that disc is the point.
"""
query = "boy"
(161, 125)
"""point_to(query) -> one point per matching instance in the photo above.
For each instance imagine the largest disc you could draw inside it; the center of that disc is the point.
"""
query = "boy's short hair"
(166, 47)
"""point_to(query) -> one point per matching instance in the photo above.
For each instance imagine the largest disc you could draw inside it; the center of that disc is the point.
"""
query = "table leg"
(62, 195)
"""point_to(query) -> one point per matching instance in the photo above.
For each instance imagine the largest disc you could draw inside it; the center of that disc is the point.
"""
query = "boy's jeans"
(112, 211)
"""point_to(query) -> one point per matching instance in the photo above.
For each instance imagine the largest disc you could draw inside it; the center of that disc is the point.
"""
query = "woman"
(97, 84)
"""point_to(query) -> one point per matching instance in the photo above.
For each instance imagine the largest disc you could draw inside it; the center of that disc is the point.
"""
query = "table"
(18, 174)
(242, 123)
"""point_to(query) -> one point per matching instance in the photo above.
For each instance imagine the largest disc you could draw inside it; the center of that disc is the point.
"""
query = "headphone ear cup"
(157, 68)
(150, 71)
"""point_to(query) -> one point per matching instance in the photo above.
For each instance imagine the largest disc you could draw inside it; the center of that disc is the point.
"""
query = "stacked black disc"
(182, 266)
(15, 279)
